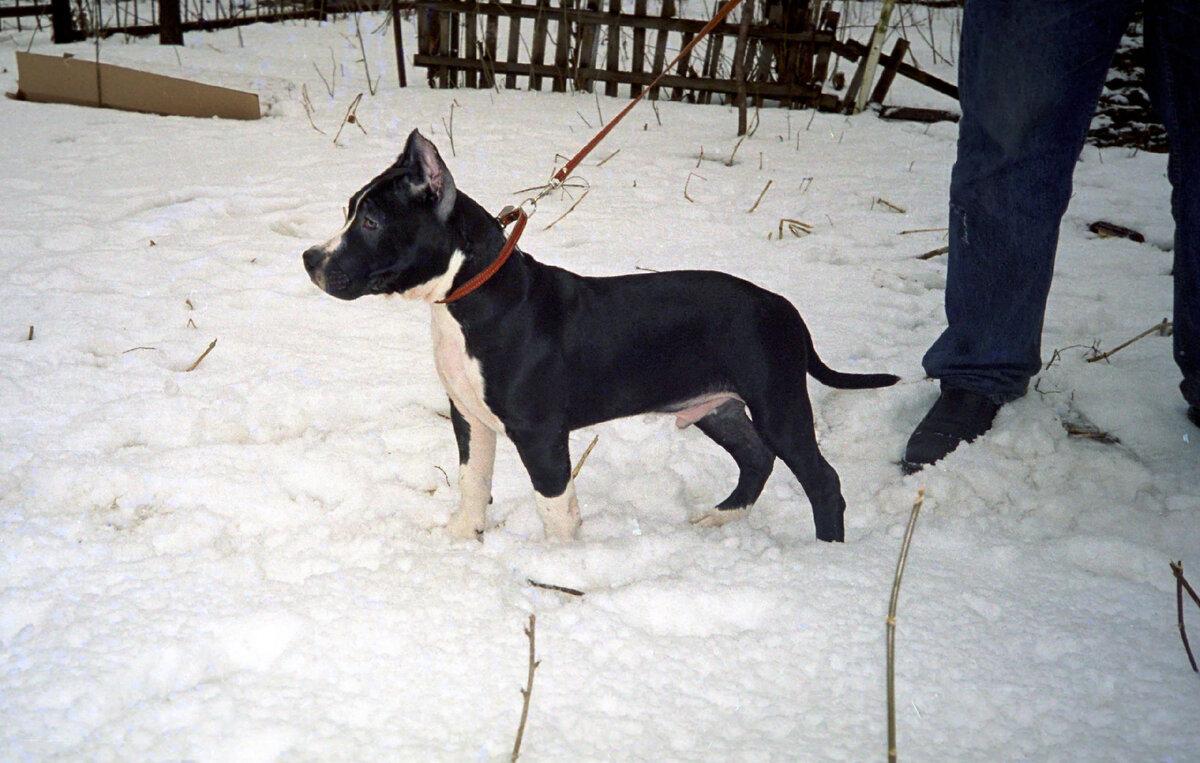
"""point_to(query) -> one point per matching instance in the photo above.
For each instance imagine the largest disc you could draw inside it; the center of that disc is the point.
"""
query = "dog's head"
(396, 240)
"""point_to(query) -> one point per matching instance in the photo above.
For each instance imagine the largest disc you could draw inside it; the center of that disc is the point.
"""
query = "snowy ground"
(246, 561)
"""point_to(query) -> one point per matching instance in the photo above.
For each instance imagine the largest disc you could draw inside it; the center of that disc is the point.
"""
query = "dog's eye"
(369, 223)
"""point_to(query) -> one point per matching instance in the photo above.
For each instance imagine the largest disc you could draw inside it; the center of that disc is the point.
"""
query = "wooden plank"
(890, 64)
(633, 21)
(660, 45)
(712, 62)
(562, 46)
(639, 44)
(514, 43)
(537, 55)
(77, 81)
(852, 50)
(829, 22)
(455, 23)
(614, 45)
(489, 52)
(471, 45)
(772, 90)
(684, 65)
(22, 11)
(443, 47)
(589, 43)
(739, 67)
(399, 44)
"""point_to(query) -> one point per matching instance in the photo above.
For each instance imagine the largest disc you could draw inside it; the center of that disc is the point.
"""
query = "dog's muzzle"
(326, 275)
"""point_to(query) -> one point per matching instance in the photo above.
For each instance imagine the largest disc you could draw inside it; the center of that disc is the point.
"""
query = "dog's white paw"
(465, 525)
(560, 515)
(719, 517)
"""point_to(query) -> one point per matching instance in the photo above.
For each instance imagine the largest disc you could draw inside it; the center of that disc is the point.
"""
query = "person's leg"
(1173, 78)
(1030, 73)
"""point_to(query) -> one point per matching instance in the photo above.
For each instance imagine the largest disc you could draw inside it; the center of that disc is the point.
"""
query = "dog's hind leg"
(787, 429)
(729, 427)
(476, 459)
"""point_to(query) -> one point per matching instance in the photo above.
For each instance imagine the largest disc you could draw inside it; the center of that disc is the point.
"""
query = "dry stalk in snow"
(203, 355)
(760, 197)
(527, 692)
(602, 162)
(795, 227)
(569, 210)
(1162, 329)
(1180, 585)
(891, 624)
(351, 118)
(586, 453)
(552, 587)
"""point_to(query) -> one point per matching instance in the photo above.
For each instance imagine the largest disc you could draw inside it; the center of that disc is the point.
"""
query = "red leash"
(565, 171)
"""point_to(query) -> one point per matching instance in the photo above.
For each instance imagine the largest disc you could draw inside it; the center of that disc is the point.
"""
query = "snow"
(247, 562)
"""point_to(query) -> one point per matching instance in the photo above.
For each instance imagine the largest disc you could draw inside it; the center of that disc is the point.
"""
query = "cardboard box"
(51, 79)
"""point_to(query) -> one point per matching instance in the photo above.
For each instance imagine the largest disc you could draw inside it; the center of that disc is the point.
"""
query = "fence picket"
(514, 42)
(537, 55)
(614, 46)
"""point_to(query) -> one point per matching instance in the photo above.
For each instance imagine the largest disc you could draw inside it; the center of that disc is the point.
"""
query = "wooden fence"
(72, 20)
(579, 44)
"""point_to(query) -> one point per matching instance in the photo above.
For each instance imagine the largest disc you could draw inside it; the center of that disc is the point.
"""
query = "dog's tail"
(839, 380)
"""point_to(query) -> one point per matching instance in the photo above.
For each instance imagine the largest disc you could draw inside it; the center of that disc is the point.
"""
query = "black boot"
(958, 416)
(1194, 414)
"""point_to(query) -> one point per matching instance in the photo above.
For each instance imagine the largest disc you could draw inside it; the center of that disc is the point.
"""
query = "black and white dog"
(538, 351)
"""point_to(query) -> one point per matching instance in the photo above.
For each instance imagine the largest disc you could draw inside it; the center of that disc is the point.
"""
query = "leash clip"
(511, 214)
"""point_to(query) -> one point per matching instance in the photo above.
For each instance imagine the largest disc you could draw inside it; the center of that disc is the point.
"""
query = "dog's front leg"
(476, 459)
(548, 461)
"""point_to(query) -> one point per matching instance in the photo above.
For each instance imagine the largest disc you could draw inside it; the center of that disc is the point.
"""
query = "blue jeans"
(1030, 73)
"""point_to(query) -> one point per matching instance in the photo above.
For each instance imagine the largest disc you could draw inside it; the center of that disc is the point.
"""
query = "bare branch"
(527, 692)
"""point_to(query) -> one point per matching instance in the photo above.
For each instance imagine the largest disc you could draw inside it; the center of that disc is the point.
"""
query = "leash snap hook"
(511, 214)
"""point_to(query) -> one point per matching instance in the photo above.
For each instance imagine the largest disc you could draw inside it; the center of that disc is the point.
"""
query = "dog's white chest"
(460, 374)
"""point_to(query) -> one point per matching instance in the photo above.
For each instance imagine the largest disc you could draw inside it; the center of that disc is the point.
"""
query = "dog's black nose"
(313, 259)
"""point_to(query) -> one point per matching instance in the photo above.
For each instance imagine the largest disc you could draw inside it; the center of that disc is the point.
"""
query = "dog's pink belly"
(694, 410)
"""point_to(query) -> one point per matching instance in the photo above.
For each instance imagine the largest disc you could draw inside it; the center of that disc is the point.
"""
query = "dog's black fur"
(538, 351)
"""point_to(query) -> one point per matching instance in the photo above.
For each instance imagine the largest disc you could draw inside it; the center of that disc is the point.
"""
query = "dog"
(538, 351)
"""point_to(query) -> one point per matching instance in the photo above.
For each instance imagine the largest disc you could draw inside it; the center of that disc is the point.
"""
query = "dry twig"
(733, 153)
(306, 102)
(203, 355)
(795, 227)
(350, 118)
(363, 47)
(1180, 585)
(329, 86)
(552, 587)
(891, 624)
(569, 210)
(602, 162)
(527, 692)
(1162, 329)
(685, 185)
(587, 452)
(760, 197)
(450, 127)
(933, 253)
(890, 205)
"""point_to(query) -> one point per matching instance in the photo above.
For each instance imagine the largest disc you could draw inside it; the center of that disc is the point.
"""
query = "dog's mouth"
(382, 281)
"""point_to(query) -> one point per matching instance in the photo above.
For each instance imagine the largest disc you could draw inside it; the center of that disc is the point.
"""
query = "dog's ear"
(429, 174)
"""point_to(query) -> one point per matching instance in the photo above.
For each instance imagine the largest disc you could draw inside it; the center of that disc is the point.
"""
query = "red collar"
(509, 247)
